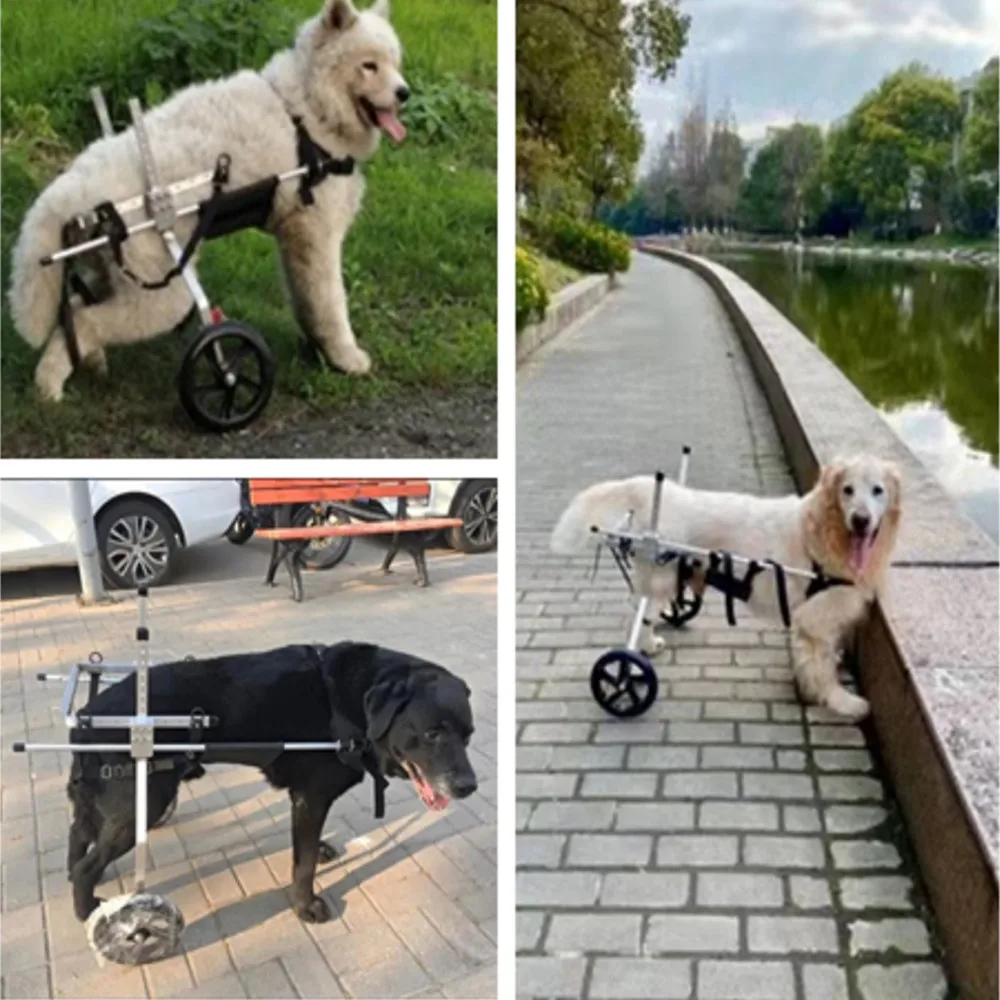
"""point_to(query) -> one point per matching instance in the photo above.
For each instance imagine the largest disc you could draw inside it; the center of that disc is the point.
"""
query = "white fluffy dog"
(846, 524)
(342, 77)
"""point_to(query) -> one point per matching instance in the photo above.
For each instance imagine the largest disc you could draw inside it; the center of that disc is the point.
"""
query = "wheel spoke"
(229, 400)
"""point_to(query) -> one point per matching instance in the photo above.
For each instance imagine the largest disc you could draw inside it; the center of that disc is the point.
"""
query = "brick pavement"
(414, 896)
(727, 845)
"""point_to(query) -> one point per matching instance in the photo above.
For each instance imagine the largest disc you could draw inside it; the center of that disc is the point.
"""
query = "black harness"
(223, 213)
(720, 575)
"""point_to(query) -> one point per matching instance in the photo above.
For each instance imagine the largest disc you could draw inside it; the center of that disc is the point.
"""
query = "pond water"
(918, 340)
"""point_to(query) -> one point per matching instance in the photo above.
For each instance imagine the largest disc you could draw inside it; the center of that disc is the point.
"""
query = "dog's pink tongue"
(430, 798)
(860, 550)
(391, 125)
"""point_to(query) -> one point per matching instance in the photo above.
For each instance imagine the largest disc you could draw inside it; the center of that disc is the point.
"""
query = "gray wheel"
(476, 503)
(137, 544)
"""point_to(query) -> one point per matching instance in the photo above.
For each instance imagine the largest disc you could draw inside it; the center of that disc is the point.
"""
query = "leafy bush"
(532, 298)
(197, 40)
(588, 246)
(441, 111)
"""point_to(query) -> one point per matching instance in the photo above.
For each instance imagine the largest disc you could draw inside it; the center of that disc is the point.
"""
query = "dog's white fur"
(862, 492)
(324, 79)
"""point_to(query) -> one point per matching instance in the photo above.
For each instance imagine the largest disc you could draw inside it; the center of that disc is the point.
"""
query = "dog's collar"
(356, 750)
(821, 581)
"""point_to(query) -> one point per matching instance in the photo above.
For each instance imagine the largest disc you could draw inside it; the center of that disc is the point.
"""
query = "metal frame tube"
(177, 747)
(637, 623)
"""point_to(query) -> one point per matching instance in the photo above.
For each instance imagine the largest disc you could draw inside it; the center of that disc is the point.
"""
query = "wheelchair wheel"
(682, 609)
(226, 376)
(623, 683)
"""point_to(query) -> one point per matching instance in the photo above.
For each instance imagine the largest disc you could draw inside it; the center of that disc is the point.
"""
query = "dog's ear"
(339, 15)
(382, 704)
(895, 478)
(381, 8)
(830, 476)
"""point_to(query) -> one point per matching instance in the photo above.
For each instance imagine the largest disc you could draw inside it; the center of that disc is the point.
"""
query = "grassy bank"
(420, 261)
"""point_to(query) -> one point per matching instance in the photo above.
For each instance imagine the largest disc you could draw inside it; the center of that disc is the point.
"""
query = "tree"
(577, 61)
(724, 170)
(900, 153)
(980, 148)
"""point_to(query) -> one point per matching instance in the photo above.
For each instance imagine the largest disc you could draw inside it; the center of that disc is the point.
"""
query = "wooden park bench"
(352, 499)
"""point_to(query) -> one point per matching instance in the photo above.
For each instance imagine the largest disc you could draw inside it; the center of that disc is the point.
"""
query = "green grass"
(420, 260)
(556, 274)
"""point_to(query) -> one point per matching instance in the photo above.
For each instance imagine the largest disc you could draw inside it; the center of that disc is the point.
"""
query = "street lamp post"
(85, 536)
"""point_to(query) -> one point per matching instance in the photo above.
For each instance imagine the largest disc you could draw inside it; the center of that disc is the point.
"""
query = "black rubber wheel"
(682, 609)
(226, 376)
(476, 504)
(623, 683)
(322, 553)
(137, 543)
(241, 530)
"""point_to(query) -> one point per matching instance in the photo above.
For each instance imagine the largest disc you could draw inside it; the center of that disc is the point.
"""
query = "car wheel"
(137, 544)
(322, 553)
(476, 504)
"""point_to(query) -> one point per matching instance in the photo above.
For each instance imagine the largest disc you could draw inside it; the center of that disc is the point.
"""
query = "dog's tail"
(35, 291)
(604, 506)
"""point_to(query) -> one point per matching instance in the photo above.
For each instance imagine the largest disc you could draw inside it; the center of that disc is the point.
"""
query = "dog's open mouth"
(385, 119)
(430, 797)
(861, 549)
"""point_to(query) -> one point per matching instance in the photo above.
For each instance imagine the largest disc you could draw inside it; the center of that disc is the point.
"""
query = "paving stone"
(640, 979)
(865, 854)
(609, 850)
(907, 936)
(662, 758)
(800, 819)
(539, 850)
(784, 852)
(777, 786)
(736, 757)
(776, 734)
(738, 816)
(843, 760)
(545, 786)
(824, 982)
(853, 819)
(889, 892)
(902, 982)
(699, 785)
(660, 890)
(792, 934)
(809, 893)
(655, 816)
(595, 815)
(745, 981)
(690, 933)
(550, 977)
(557, 888)
(529, 929)
(738, 889)
(619, 786)
(849, 787)
(696, 850)
(590, 932)
(700, 732)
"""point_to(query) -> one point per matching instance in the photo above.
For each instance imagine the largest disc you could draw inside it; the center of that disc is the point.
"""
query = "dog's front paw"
(314, 912)
(352, 359)
(850, 706)
(50, 391)
(652, 645)
(327, 852)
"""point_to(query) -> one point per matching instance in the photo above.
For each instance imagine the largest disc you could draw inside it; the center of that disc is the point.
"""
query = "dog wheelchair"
(227, 372)
(623, 681)
(143, 926)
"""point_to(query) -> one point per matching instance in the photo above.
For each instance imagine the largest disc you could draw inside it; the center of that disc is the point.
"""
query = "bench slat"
(265, 492)
(359, 528)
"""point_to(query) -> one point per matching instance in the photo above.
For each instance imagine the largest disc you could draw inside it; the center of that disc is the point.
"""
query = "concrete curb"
(929, 657)
(566, 306)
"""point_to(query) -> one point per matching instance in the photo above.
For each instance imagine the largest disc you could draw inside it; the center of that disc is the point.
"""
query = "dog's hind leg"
(312, 261)
(389, 557)
(420, 562)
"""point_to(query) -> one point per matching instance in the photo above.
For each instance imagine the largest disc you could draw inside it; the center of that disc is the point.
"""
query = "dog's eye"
(877, 491)
(848, 491)
(432, 735)
(371, 67)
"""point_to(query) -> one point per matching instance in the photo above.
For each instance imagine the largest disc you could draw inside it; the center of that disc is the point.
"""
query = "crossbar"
(359, 528)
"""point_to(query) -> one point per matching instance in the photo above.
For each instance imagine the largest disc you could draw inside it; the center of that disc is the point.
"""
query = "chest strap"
(821, 581)
(318, 162)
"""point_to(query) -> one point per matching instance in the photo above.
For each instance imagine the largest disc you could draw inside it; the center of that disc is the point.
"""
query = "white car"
(473, 500)
(140, 525)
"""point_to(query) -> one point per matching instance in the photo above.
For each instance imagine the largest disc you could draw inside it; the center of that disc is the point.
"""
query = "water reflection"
(919, 340)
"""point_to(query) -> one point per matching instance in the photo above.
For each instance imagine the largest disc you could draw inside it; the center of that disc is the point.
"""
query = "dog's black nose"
(402, 93)
(463, 786)
(860, 523)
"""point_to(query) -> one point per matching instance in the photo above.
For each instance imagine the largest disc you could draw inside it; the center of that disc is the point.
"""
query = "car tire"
(137, 542)
(322, 553)
(241, 530)
(476, 504)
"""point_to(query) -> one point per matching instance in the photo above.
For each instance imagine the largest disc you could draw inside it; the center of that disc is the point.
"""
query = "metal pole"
(87, 558)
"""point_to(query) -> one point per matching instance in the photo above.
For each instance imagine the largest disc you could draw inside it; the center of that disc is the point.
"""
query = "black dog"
(410, 717)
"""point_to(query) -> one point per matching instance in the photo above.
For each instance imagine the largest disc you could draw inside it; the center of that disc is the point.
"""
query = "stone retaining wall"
(928, 654)
(566, 306)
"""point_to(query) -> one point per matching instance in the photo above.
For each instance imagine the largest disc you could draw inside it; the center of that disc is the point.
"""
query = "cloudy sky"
(779, 61)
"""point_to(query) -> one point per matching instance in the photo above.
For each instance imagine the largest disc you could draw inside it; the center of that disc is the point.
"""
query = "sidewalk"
(727, 845)
(414, 896)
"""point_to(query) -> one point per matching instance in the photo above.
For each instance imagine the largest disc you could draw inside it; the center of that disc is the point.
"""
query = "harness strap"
(781, 586)
(821, 581)
(319, 163)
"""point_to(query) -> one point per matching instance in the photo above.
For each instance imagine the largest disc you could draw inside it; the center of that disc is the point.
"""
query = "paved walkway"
(728, 845)
(414, 896)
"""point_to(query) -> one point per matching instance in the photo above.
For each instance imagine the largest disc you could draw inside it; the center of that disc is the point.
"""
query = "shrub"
(532, 298)
(588, 246)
